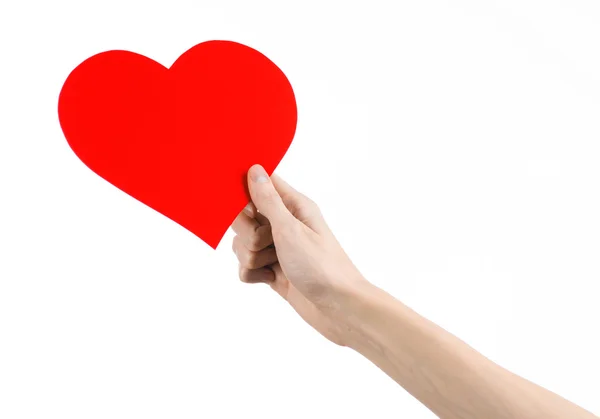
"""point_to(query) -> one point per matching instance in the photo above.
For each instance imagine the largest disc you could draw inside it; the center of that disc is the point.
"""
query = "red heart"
(181, 140)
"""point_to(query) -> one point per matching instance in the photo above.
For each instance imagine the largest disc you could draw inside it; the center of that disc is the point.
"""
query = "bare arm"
(444, 373)
(288, 245)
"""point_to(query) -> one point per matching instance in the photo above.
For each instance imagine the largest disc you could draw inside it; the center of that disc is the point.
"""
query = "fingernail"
(258, 174)
(248, 209)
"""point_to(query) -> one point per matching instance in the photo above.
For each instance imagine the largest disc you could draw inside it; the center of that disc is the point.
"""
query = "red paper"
(181, 139)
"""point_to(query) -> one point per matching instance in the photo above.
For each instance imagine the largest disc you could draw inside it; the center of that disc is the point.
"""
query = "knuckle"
(243, 274)
(249, 259)
(258, 238)
(263, 193)
(269, 197)
(254, 240)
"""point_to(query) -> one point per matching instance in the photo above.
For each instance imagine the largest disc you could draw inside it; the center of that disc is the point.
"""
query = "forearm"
(448, 376)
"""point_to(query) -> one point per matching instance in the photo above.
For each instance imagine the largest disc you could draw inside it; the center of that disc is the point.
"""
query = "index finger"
(251, 211)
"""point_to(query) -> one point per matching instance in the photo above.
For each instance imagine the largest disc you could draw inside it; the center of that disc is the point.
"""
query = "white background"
(452, 146)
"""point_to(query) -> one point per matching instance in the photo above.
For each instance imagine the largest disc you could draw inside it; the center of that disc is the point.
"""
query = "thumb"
(265, 197)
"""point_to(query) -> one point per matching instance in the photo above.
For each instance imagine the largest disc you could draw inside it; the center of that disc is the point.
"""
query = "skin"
(282, 240)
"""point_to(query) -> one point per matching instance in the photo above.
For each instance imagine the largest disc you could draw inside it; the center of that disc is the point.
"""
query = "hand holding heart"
(306, 265)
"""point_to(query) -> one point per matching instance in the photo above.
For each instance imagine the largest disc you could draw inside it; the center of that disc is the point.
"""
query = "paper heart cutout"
(181, 139)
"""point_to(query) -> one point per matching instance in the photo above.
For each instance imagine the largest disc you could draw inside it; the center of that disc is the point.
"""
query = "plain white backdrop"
(453, 147)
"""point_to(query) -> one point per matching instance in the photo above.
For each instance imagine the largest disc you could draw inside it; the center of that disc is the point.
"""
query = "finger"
(253, 260)
(301, 207)
(253, 235)
(250, 210)
(253, 276)
(262, 220)
(280, 283)
(283, 188)
(265, 197)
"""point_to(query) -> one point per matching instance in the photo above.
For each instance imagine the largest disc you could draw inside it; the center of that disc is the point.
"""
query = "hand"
(283, 240)
(287, 244)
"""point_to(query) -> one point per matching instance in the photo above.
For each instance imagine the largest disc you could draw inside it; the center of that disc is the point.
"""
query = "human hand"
(282, 240)
(287, 244)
